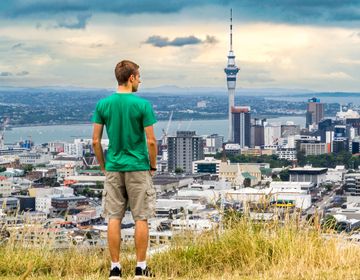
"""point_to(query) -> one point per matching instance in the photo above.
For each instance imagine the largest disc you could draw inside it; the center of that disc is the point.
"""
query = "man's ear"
(131, 78)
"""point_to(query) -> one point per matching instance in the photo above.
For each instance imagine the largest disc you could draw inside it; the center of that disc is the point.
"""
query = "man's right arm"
(151, 144)
(96, 142)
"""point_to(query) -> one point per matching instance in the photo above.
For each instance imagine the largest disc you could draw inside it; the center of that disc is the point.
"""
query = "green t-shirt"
(125, 116)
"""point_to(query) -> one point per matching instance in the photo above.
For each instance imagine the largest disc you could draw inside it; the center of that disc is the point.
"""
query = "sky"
(297, 44)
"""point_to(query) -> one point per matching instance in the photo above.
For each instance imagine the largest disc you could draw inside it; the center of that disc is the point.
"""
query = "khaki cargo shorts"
(134, 189)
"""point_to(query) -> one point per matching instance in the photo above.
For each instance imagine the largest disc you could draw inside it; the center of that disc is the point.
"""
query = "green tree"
(284, 175)
(179, 170)
(247, 183)
(28, 168)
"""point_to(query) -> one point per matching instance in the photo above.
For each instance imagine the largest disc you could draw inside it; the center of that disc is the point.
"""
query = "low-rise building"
(34, 158)
(207, 165)
(308, 174)
(5, 188)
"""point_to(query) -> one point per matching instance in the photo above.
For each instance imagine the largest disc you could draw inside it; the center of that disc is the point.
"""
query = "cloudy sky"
(305, 44)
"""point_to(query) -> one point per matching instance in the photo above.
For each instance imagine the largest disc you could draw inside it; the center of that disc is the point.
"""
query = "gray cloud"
(5, 74)
(96, 45)
(211, 40)
(17, 46)
(22, 73)
(79, 22)
(292, 11)
(9, 74)
(160, 42)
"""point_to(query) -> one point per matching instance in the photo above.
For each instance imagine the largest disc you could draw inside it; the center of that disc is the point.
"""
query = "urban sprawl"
(52, 193)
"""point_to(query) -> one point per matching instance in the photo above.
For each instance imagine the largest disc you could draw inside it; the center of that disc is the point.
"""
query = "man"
(130, 163)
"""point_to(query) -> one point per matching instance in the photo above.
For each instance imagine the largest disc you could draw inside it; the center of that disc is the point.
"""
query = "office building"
(241, 120)
(314, 112)
(257, 133)
(272, 134)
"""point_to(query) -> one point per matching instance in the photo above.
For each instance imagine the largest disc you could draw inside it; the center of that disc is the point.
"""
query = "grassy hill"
(245, 250)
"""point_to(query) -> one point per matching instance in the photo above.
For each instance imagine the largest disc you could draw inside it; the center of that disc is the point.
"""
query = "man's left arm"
(96, 142)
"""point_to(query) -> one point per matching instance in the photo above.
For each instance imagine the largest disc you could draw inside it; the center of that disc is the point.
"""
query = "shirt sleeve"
(149, 115)
(97, 117)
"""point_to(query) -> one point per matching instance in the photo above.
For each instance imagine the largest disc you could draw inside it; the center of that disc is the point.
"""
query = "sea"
(67, 133)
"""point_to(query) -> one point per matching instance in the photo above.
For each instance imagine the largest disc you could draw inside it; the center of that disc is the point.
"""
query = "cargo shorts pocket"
(151, 201)
(103, 202)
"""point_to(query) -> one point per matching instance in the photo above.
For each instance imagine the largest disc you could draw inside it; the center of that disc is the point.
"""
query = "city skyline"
(300, 45)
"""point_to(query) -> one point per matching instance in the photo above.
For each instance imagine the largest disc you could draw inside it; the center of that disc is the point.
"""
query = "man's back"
(125, 116)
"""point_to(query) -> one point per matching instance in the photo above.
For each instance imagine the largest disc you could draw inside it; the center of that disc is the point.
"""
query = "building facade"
(241, 120)
(183, 149)
(314, 111)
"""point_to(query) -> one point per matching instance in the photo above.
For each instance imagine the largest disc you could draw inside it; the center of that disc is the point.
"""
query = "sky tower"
(231, 70)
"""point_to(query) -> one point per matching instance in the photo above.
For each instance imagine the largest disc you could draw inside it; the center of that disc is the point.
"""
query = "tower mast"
(231, 71)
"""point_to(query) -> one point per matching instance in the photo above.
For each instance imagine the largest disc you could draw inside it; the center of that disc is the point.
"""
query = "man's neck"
(124, 89)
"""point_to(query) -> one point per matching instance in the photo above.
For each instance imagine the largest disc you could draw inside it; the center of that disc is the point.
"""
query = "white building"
(63, 159)
(213, 144)
(34, 158)
(43, 204)
(56, 147)
(336, 174)
(298, 197)
(286, 153)
(192, 225)
(284, 186)
(65, 171)
(63, 191)
(272, 134)
(5, 188)
(201, 104)
(74, 149)
(207, 165)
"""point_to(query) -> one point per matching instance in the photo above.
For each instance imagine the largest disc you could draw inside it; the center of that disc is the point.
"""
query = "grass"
(245, 250)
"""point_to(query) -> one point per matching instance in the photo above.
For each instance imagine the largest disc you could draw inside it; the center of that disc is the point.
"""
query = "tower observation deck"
(231, 71)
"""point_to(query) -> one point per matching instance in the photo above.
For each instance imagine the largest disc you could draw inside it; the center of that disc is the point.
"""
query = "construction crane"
(2, 133)
(188, 127)
(166, 132)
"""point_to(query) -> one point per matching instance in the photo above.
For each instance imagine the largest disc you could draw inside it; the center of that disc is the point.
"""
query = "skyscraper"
(241, 123)
(314, 112)
(231, 70)
(257, 133)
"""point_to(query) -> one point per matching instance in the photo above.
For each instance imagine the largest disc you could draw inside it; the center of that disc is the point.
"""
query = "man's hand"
(152, 173)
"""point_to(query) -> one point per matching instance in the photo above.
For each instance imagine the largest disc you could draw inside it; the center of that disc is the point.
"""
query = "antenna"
(230, 29)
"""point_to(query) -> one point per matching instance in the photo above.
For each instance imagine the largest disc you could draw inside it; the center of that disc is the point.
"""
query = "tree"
(247, 183)
(179, 170)
(301, 158)
(284, 175)
(28, 168)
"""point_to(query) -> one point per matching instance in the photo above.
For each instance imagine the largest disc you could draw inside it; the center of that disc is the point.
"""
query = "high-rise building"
(183, 149)
(213, 143)
(241, 123)
(289, 129)
(257, 133)
(314, 112)
(272, 134)
(231, 71)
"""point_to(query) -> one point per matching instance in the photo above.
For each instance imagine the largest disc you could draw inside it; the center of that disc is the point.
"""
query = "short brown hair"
(124, 69)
